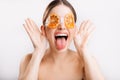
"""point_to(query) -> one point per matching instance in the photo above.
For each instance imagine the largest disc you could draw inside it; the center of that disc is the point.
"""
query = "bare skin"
(54, 64)
(68, 68)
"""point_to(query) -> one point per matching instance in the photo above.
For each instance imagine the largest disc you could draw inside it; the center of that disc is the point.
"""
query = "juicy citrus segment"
(69, 21)
(53, 21)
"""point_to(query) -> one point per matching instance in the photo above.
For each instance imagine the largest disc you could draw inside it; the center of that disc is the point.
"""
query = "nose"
(61, 25)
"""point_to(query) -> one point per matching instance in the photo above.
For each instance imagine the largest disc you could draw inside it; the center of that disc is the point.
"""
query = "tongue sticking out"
(60, 43)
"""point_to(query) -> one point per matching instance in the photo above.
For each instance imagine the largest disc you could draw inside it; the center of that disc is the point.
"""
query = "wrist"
(84, 51)
(38, 52)
(82, 48)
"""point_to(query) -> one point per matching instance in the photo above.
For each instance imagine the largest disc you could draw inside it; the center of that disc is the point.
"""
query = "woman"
(58, 62)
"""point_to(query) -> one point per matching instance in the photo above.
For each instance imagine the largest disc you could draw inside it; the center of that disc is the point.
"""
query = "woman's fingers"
(27, 22)
(34, 34)
(85, 31)
(27, 30)
(81, 27)
(31, 25)
(90, 31)
(31, 29)
(35, 26)
(88, 25)
(85, 27)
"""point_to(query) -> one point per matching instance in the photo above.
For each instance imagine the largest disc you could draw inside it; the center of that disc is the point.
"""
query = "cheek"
(49, 34)
(72, 33)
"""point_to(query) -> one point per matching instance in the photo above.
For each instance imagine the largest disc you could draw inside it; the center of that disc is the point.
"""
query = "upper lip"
(61, 34)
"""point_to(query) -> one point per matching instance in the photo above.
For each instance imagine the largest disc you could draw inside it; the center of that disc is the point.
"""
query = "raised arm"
(29, 66)
(91, 68)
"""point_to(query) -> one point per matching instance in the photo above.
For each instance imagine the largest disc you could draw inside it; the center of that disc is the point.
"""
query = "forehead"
(61, 10)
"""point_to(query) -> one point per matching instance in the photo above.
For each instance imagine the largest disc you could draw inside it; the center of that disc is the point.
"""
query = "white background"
(15, 43)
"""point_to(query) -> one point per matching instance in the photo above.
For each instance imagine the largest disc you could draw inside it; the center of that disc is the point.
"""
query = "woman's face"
(60, 28)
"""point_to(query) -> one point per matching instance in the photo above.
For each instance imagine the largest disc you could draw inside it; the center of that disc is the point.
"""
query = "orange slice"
(53, 21)
(69, 21)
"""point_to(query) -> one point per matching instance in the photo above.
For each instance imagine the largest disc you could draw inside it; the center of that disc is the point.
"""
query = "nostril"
(61, 27)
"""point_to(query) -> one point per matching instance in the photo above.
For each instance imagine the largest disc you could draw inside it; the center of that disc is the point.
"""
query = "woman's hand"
(30, 64)
(91, 69)
(83, 34)
(38, 39)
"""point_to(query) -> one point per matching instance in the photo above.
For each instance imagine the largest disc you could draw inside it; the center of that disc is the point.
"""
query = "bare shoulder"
(26, 59)
(24, 62)
(75, 57)
(73, 54)
(77, 63)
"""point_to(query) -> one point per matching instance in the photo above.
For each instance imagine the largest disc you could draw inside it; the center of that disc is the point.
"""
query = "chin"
(62, 50)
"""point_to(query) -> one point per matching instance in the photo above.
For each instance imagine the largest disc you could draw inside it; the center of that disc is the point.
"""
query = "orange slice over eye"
(53, 21)
(69, 21)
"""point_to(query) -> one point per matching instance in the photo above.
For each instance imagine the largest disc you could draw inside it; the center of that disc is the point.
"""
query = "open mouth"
(61, 40)
(58, 36)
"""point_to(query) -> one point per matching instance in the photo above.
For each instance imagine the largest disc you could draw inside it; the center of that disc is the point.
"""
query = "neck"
(58, 55)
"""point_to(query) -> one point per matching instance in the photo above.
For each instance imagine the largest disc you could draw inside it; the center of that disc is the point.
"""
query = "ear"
(43, 30)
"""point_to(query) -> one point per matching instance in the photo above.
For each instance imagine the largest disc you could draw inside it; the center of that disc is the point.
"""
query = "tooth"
(61, 35)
